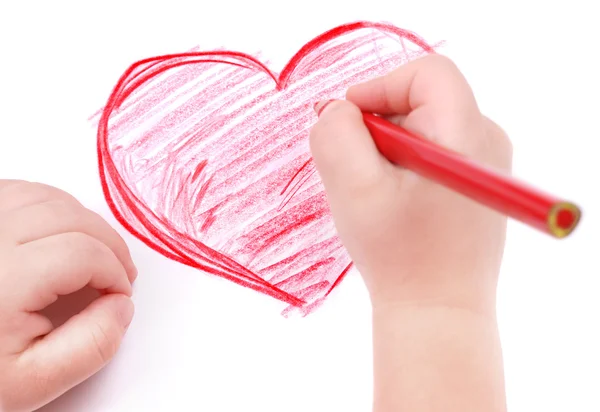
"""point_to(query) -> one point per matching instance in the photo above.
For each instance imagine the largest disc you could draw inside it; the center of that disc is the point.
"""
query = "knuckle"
(442, 62)
(86, 247)
(51, 192)
(113, 239)
(499, 135)
(443, 71)
(491, 145)
(506, 143)
(105, 342)
(60, 209)
(97, 219)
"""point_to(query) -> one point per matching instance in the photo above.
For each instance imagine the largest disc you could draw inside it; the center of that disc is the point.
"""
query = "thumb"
(77, 349)
(344, 152)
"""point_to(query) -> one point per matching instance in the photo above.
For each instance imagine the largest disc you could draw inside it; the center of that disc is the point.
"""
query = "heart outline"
(141, 71)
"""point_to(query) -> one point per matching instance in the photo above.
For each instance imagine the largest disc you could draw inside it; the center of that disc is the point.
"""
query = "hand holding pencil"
(489, 187)
(391, 219)
(419, 185)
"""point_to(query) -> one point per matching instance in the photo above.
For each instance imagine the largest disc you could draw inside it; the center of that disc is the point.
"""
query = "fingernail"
(321, 105)
(125, 312)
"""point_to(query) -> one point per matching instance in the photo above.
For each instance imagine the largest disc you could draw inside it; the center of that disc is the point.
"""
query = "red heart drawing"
(204, 156)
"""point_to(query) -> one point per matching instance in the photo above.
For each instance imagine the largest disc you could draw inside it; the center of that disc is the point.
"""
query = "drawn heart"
(204, 156)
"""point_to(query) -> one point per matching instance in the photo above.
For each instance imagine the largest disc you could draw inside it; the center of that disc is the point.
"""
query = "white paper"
(202, 343)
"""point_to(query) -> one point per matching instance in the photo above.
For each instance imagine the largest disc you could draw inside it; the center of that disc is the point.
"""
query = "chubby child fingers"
(433, 86)
(344, 152)
(435, 97)
(51, 218)
(74, 351)
(62, 264)
(22, 193)
(430, 80)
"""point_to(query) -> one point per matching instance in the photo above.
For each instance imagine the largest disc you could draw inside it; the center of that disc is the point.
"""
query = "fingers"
(431, 80)
(54, 246)
(435, 98)
(432, 86)
(21, 194)
(62, 264)
(76, 350)
(18, 330)
(344, 152)
(52, 218)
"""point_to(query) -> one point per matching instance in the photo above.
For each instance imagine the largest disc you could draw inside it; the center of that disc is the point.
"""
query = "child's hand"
(50, 245)
(412, 240)
(430, 258)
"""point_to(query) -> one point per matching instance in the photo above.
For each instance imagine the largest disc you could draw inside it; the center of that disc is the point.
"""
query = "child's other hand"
(51, 245)
(413, 240)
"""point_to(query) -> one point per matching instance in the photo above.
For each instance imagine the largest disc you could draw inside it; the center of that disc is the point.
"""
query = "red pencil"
(503, 193)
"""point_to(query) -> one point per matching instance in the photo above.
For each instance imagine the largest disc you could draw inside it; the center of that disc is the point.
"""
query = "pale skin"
(429, 258)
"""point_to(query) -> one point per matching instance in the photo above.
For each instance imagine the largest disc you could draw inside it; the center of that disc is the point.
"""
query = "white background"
(200, 343)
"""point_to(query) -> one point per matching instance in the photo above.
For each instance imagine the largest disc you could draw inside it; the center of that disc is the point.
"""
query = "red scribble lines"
(204, 157)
